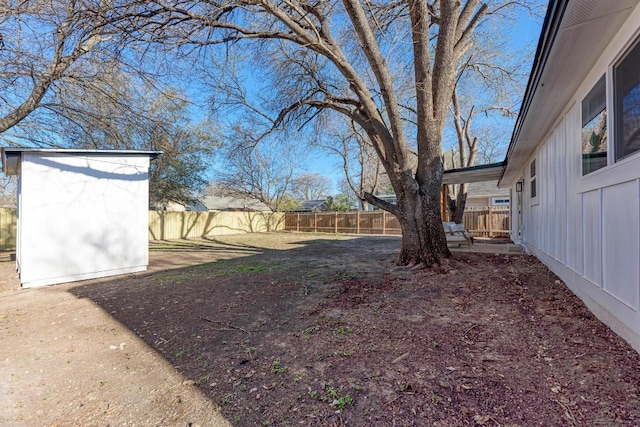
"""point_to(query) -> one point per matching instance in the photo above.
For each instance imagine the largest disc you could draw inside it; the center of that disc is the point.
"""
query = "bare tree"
(345, 57)
(484, 101)
(8, 190)
(73, 66)
(310, 186)
(362, 168)
(257, 167)
(362, 86)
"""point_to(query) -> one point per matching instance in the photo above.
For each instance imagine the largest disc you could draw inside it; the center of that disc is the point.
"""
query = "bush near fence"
(482, 222)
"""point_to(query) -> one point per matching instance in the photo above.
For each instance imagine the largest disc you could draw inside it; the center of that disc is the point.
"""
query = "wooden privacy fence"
(487, 221)
(376, 222)
(165, 225)
(482, 222)
(175, 225)
(8, 222)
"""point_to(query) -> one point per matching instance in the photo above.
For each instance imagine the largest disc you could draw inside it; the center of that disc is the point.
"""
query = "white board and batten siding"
(81, 216)
(587, 228)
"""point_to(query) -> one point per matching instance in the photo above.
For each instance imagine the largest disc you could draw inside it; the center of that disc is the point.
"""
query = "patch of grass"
(203, 379)
(277, 367)
(180, 354)
(344, 330)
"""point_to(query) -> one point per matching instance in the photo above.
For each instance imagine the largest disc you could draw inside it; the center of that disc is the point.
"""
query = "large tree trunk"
(418, 211)
(423, 238)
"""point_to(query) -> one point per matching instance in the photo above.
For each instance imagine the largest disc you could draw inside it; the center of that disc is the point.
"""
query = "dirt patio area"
(319, 330)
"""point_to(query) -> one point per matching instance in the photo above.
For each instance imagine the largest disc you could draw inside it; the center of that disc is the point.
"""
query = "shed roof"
(11, 155)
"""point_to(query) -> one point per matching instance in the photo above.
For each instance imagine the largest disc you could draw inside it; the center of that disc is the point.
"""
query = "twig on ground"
(228, 325)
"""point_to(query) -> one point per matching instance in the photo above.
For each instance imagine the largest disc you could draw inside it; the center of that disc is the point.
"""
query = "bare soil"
(300, 329)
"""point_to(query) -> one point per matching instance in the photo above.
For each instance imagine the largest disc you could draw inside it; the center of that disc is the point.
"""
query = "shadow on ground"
(327, 331)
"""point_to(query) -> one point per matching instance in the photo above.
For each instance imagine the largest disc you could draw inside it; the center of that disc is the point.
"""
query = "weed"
(311, 329)
(298, 377)
(313, 394)
(344, 354)
(249, 350)
(332, 392)
(203, 379)
(344, 330)
(344, 401)
(277, 367)
(180, 354)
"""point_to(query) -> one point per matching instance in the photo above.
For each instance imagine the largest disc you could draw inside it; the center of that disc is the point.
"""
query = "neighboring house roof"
(574, 34)
(311, 205)
(215, 203)
(486, 189)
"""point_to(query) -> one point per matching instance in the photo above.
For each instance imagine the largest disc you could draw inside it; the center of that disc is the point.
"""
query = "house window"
(626, 79)
(532, 180)
(594, 128)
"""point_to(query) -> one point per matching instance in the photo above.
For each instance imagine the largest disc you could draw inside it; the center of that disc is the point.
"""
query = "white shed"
(573, 165)
(82, 214)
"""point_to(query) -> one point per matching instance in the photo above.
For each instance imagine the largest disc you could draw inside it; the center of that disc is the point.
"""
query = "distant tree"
(188, 149)
(257, 166)
(288, 204)
(338, 203)
(363, 171)
(8, 191)
(310, 186)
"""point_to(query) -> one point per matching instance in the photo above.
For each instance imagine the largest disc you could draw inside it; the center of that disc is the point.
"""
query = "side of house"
(573, 166)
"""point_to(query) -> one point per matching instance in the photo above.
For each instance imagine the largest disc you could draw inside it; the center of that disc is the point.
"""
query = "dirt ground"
(300, 329)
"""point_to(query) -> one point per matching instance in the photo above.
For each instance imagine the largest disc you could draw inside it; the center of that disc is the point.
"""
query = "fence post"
(358, 222)
(335, 225)
(315, 222)
(384, 222)
(298, 222)
(490, 224)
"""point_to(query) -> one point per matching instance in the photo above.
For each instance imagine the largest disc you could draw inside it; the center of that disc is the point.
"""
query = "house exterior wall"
(587, 229)
(57, 193)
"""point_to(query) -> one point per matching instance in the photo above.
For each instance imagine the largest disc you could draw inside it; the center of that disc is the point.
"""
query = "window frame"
(532, 175)
(587, 165)
(616, 101)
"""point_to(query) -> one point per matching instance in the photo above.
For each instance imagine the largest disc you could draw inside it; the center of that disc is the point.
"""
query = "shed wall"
(58, 193)
(587, 229)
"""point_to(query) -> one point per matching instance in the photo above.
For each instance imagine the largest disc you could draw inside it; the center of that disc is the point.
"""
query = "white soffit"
(490, 172)
(586, 29)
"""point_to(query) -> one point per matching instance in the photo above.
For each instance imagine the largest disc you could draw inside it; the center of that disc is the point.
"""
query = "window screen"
(594, 128)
